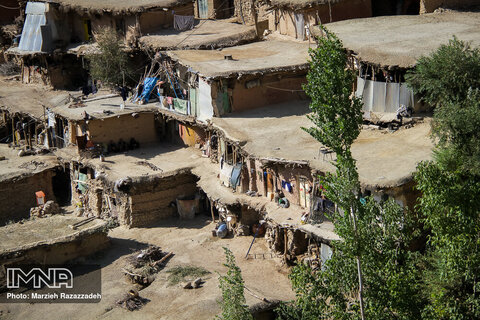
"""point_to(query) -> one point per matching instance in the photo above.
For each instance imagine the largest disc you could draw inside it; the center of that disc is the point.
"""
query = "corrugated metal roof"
(31, 39)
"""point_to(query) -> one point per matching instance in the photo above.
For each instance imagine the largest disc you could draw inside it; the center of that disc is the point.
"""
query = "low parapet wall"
(74, 244)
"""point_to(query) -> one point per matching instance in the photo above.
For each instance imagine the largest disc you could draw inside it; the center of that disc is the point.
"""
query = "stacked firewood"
(144, 264)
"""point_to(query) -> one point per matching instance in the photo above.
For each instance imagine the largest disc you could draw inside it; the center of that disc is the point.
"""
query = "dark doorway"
(395, 7)
(62, 188)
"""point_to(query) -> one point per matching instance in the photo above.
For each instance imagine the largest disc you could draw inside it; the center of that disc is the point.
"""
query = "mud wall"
(243, 10)
(151, 202)
(283, 19)
(286, 241)
(405, 195)
(279, 173)
(270, 90)
(191, 135)
(292, 175)
(217, 9)
(91, 200)
(428, 6)
(125, 127)
(17, 196)
(60, 252)
(60, 72)
(156, 20)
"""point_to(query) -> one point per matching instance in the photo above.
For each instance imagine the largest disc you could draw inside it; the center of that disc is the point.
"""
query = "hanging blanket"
(183, 23)
(235, 178)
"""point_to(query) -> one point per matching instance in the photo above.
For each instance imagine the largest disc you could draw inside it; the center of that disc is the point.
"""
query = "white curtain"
(204, 104)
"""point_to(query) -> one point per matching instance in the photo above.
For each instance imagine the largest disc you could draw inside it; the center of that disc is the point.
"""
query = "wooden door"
(300, 26)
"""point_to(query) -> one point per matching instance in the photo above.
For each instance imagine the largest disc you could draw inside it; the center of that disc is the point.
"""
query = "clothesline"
(282, 89)
(10, 8)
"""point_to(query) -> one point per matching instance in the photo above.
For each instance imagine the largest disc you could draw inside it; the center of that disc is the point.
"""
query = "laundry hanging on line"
(183, 23)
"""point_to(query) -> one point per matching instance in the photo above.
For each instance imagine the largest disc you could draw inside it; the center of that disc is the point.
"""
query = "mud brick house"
(217, 9)
(205, 34)
(220, 82)
(243, 11)
(55, 24)
(295, 17)
(383, 49)
(278, 155)
(22, 177)
(56, 33)
(138, 187)
(103, 124)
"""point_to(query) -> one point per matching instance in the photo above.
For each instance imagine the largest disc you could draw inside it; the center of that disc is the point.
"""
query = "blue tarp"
(148, 85)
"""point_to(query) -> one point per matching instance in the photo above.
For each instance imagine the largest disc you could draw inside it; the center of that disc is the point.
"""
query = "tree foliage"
(447, 74)
(336, 114)
(451, 206)
(450, 184)
(456, 128)
(390, 271)
(448, 80)
(232, 285)
(110, 64)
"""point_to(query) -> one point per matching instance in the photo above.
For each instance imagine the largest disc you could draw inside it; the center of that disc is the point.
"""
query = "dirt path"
(193, 244)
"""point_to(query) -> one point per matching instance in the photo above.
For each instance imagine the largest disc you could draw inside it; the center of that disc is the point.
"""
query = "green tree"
(390, 273)
(336, 113)
(372, 254)
(447, 74)
(232, 285)
(448, 80)
(337, 116)
(450, 204)
(110, 63)
(450, 185)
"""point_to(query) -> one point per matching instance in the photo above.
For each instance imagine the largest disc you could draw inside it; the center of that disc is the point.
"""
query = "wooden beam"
(13, 131)
(211, 210)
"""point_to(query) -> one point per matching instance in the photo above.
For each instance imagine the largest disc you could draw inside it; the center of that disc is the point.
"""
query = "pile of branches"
(9, 69)
(132, 301)
(144, 264)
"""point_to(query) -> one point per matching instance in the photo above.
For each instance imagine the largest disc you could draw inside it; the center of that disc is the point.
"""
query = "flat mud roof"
(401, 40)
(255, 58)
(44, 231)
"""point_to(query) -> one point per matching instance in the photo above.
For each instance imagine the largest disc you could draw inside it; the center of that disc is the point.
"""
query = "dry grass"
(178, 274)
